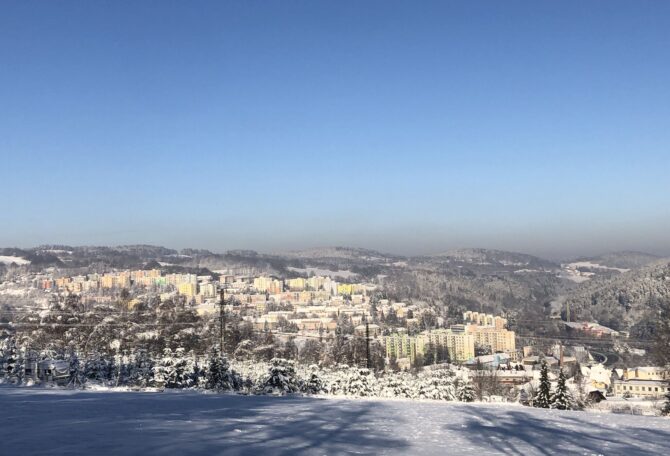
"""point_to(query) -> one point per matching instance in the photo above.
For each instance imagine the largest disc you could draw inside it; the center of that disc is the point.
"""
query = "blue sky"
(410, 127)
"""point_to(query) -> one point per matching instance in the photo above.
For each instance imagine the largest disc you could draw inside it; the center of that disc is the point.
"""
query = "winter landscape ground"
(57, 421)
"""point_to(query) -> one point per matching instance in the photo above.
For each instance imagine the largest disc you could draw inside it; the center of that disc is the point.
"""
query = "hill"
(627, 301)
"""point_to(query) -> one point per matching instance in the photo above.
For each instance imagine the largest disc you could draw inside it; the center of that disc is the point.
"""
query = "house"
(640, 388)
(48, 370)
(374, 330)
(596, 396)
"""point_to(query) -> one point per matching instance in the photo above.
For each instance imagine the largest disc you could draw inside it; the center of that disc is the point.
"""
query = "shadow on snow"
(173, 423)
(553, 432)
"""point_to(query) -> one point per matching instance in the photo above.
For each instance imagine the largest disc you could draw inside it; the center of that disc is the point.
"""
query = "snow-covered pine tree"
(163, 368)
(313, 384)
(335, 380)
(198, 376)
(3, 350)
(360, 382)
(444, 384)
(214, 371)
(395, 384)
(281, 378)
(524, 397)
(77, 377)
(665, 411)
(11, 359)
(219, 375)
(561, 398)
(98, 369)
(179, 370)
(543, 397)
(465, 392)
(13, 362)
(124, 369)
(139, 369)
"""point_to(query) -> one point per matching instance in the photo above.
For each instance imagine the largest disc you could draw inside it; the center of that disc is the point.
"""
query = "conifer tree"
(314, 384)
(543, 397)
(360, 382)
(561, 398)
(219, 375)
(665, 411)
(281, 378)
(465, 392)
(76, 372)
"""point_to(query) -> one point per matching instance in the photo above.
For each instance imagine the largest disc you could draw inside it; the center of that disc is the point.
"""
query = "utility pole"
(222, 319)
(367, 343)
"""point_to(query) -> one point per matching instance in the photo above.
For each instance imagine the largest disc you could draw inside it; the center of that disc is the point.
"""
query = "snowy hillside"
(193, 423)
(7, 259)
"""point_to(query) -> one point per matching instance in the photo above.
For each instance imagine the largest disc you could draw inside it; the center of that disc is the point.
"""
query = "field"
(43, 421)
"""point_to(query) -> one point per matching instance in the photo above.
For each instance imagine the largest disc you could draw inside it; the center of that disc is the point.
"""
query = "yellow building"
(262, 284)
(483, 319)
(107, 281)
(297, 284)
(646, 373)
(640, 388)
(400, 346)
(461, 346)
(345, 289)
(316, 282)
(498, 340)
(207, 290)
(187, 289)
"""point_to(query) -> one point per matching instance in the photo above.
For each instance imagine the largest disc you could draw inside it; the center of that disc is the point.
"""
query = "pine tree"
(178, 369)
(396, 384)
(466, 392)
(97, 368)
(14, 362)
(3, 350)
(543, 397)
(140, 371)
(437, 384)
(313, 384)
(665, 411)
(77, 377)
(281, 378)
(561, 398)
(219, 375)
(360, 382)
(163, 368)
(11, 359)
(523, 397)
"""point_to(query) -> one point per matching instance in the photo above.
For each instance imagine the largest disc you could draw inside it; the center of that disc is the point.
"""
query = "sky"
(407, 127)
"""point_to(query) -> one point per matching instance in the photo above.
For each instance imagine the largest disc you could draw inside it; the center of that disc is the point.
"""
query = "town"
(375, 331)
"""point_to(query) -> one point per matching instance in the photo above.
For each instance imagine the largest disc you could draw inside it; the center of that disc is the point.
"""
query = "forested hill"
(628, 301)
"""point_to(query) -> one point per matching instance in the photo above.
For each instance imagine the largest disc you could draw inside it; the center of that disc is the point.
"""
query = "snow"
(13, 259)
(571, 271)
(346, 274)
(112, 422)
(590, 265)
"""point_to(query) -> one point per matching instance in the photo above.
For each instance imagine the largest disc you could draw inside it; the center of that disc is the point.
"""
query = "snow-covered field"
(323, 272)
(591, 265)
(13, 259)
(571, 271)
(43, 421)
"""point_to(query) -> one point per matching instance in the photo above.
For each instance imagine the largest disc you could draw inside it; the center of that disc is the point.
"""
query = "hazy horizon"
(222, 250)
(539, 128)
